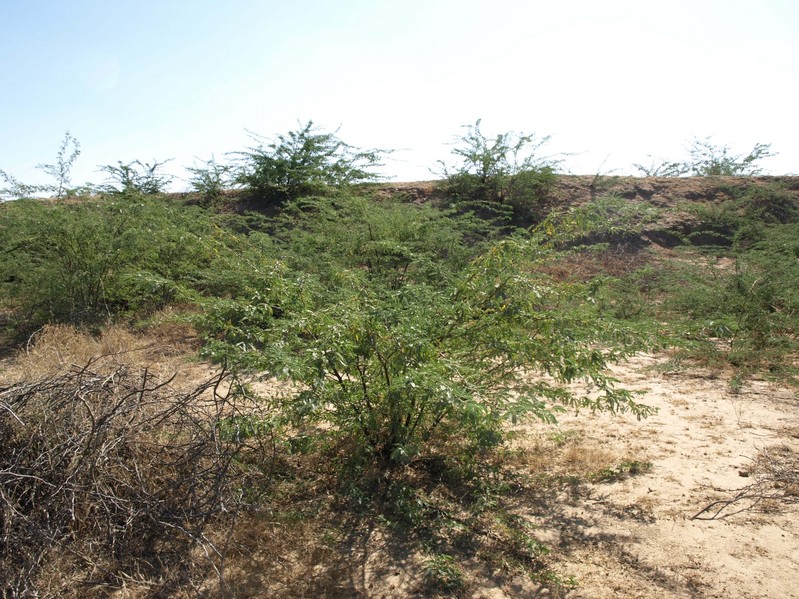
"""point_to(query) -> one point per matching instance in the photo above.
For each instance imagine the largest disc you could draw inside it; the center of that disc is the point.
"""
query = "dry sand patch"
(637, 538)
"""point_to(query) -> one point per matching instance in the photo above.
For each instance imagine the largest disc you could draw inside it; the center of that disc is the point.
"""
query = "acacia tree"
(210, 179)
(706, 159)
(136, 177)
(304, 162)
(506, 169)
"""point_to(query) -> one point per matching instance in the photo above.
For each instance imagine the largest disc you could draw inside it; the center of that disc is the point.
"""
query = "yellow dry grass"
(161, 348)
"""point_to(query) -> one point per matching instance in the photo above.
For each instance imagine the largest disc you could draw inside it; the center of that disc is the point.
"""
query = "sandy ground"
(636, 537)
(633, 535)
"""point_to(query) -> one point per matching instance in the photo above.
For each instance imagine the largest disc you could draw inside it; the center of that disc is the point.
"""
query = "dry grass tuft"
(162, 349)
(55, 347)
(564, 454)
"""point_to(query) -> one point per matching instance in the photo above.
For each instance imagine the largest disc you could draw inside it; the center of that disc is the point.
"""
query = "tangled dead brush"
(110, 478)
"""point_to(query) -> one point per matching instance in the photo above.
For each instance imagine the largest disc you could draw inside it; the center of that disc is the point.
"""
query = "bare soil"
(659, 191)
(640, 536)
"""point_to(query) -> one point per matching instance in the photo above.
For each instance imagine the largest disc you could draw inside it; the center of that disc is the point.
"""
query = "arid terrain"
(676, 529)
(684, 505)
(645, 534)
(700, 499)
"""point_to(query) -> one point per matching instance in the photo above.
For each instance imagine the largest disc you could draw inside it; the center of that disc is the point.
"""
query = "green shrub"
(744, 218)
(606, 218)
(304, 162)
(135, 177)
(87, 261)
(502, 171)
(210, 180)
(744, 313)
(392, 242)
(60, 171)
(59, 262)
(706, 159)
(392, 367)
(768, 204)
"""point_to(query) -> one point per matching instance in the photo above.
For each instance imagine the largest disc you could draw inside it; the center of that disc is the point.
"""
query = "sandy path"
(636, 538)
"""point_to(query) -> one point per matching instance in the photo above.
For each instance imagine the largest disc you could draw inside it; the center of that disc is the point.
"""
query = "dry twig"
(776, 481)
(123, 474)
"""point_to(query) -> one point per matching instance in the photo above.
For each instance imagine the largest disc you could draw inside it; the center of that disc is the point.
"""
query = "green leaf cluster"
(505, 170)
(87, 261)
(395, 341)
(306, 161)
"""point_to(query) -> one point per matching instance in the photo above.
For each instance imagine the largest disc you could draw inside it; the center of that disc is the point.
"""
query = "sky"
(612, 83)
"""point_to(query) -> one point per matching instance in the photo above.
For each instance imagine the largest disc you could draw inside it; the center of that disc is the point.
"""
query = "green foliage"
(606, 218)
(390, 367)
(242, 427)
(753, 307)
(562, 437)
(730, 298)
(391, 242)
(442, 573)
(632, 298)
(58, 261)
(742, 310)
(210, 179)
(504, 170)
(706, 159)
(304, 162)
(769, 204)
(329, 248)
(84, 262)
(744, 218)
(15, 189)
(60, 171)
(135, 177)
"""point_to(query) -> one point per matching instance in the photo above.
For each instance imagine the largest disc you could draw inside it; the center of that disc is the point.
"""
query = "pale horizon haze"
(610, 82)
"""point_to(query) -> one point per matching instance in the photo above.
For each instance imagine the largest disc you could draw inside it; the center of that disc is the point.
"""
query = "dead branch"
(776, 481)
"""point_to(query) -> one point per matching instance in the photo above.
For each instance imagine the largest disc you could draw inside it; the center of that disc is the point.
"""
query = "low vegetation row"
(400, 339)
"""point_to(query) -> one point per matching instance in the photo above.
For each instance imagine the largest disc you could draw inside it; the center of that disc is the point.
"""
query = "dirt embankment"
(660, 191)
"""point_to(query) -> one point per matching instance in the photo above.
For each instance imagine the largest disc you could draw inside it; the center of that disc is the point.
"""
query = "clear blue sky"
(610, 81)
